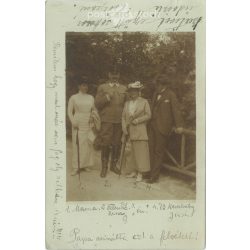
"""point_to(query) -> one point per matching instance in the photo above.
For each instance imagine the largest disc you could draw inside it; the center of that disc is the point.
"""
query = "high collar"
(114, 84)
(160, 91)
(81, 93)
(134, 100)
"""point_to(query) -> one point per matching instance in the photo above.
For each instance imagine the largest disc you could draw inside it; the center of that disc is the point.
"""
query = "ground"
(90, 187)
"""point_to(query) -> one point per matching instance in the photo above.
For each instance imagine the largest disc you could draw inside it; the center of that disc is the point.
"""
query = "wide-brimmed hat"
(135, 85)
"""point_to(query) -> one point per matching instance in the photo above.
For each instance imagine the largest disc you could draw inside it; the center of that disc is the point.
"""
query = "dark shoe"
(105, 159)
(104, 170)
(115, 170)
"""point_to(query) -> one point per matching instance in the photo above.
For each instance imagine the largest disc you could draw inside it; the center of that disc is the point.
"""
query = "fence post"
(183, 146)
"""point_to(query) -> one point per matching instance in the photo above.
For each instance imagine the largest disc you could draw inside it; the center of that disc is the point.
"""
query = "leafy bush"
(138, 56)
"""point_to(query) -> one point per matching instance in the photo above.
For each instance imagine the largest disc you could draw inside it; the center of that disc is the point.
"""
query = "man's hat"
(135, 85)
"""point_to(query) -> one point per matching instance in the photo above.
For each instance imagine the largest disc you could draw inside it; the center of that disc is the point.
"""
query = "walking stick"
(78, 157)
(122, 153)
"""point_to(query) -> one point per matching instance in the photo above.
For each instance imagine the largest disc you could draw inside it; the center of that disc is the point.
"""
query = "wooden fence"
(180, 166)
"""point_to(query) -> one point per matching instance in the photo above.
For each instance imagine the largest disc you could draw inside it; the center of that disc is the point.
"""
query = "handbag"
(91, 136)
(95, 121)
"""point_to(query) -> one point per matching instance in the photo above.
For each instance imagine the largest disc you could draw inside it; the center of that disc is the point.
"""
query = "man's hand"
(179, 130)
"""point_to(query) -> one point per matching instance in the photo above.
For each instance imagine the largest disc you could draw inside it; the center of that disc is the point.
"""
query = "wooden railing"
(181, 166)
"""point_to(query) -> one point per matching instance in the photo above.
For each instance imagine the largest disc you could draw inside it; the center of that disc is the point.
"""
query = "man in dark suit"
(110, 101)
(166, 117)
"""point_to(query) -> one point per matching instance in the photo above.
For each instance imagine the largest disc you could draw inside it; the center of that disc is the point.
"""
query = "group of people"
(119, 114)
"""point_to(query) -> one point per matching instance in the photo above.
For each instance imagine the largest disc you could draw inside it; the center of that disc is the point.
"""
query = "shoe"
(74, 172)
(115, 170)
(131, 175)
(139, 177)
(104, 171)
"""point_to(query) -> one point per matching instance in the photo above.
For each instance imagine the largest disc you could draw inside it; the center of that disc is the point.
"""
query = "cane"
(122, 153)
(78, 157)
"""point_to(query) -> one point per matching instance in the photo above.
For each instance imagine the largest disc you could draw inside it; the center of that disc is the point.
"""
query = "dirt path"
(113, 187)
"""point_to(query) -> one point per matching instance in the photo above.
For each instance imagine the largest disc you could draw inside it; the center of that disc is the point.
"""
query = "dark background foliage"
(137, 56)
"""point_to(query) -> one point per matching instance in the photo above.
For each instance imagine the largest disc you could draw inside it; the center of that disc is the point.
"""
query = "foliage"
(137, 56)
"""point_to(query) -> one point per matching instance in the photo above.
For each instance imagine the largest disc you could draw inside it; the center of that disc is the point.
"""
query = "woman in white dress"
(80, 107)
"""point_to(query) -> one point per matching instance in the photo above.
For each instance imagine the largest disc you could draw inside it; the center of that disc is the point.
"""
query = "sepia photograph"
(130, 116)
(125, 119)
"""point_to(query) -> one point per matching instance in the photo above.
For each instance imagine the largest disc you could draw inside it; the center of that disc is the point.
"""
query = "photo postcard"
(125, 124)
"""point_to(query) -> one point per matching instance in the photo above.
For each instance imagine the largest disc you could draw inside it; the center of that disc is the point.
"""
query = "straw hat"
(135, 85)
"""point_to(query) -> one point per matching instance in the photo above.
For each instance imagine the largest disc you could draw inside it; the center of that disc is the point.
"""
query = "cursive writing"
(177, 235)
(121, 16)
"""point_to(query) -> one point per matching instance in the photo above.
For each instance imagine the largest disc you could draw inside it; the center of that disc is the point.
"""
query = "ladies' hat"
(82, 80)
(135, 85)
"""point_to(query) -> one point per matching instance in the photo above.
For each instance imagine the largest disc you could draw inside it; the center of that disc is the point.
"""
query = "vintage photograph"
(131, 116)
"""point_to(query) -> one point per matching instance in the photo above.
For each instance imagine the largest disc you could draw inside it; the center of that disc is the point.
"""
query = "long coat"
(110, 110)
(142, 114)
(80, 107)
(166, 112)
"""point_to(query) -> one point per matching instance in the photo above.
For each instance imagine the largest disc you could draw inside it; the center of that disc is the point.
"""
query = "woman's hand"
(135, 122)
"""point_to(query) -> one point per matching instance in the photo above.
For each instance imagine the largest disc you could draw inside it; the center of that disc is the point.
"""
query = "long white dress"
(79, 110)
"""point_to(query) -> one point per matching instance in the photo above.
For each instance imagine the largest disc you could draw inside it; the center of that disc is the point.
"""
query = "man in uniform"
(166, 117)
(110, 101)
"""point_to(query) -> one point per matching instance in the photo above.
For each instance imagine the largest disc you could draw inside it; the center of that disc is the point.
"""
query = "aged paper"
(86, 211)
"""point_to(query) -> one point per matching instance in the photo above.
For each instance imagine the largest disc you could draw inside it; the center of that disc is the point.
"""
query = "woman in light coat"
(135, 116)
(83, 116)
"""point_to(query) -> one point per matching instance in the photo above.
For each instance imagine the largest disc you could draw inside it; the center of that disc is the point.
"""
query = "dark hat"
(82, 80)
